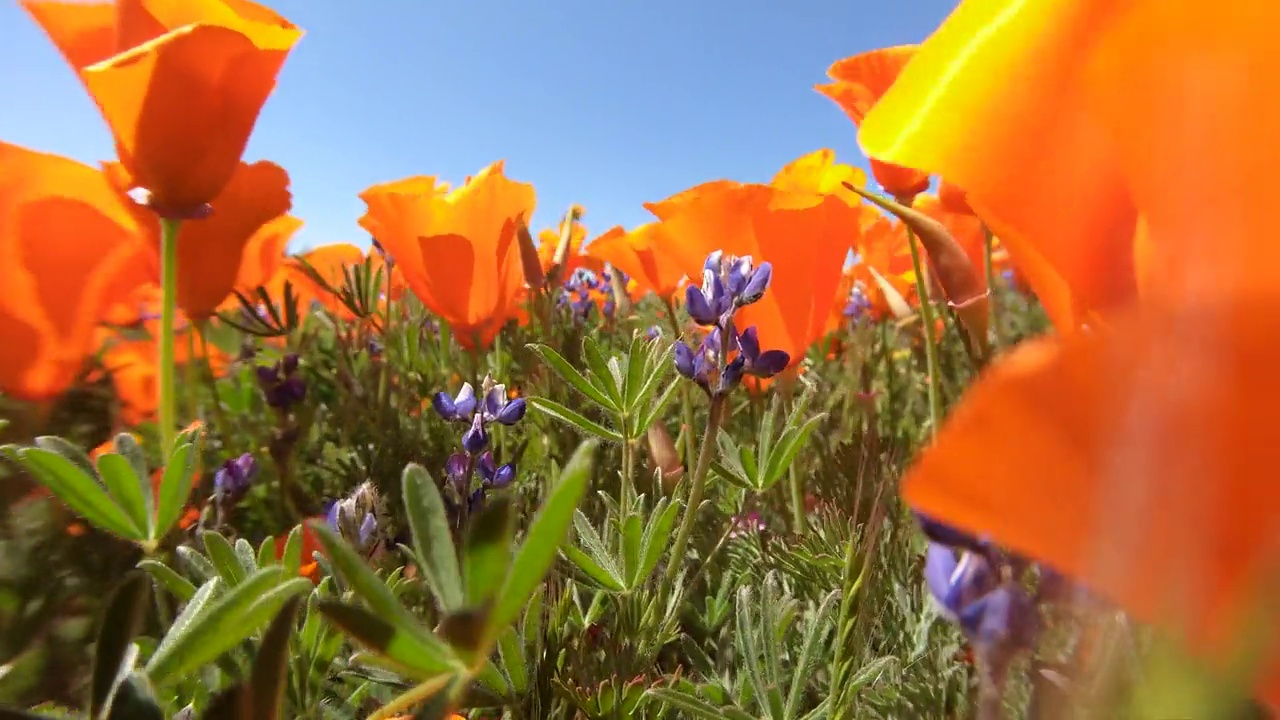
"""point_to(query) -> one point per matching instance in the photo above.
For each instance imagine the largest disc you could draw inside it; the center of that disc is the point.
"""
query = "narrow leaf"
(546, 534)
(80, 491)
(425, 656)
(120, 623)
(432, 540)
(571, 417)
(170, 580)
(570, 374)
(223, 557)
(125, 487)
(175, 487)
(270, 667)
(487, 554)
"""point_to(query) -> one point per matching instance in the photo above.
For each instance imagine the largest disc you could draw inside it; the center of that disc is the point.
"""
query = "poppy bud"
(529, 262)
(959, 279)
(663, 456)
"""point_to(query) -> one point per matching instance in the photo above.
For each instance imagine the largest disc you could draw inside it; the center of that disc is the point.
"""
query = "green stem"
(930, 345)
(696, 487)
(686, 397)
(168, 316)
(989, 268)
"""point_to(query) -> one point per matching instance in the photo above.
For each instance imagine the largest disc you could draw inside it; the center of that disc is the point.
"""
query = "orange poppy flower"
(131, 365)
(66, 241)
(1138, 456)
(805, 236)
(638, 253)
(180, 84)
(883, 248)
(458, 252)
(264, 253)
(819, 172)
(211, 250)
(859, 83)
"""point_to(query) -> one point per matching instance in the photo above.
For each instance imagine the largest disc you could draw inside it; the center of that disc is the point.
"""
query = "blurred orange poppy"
(264, 253)
(330, 262)
(805, 236)
(638, 253)
(179, 83)
(458, 252)
(309, 568)
(1137, 456)
(884, 259)
(132, 367)
(859, 83)
(66, 242)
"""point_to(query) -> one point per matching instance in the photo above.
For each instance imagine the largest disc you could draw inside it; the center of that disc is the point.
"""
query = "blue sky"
(606, 103)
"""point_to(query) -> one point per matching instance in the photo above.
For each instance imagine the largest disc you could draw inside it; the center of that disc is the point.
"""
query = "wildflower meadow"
(986, 432)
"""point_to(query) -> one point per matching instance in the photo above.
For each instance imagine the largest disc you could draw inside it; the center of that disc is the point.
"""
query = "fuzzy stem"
(696, 486)
(930, 344)
(168, 316)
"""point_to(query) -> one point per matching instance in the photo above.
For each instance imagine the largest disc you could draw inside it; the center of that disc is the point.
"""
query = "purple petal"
(939, 569)
(512, 412)
(698, 308)
(503, 477)
(494, 400)
(475, 439)
(486, 466)
(331, 516)
(465, 401)
(770, 363)
(749, 342)
(684, 359)
(444, 406)
(757, 285)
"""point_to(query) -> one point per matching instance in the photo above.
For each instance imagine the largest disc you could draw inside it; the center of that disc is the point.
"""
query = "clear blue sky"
(606, 103)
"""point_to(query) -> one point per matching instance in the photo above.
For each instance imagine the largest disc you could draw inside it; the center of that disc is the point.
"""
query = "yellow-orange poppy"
(574, 259)
(805, 236)
(639, 253)
(66, 240)
(179, 83)
(458, 252)
(858, 83)
(1137, 456)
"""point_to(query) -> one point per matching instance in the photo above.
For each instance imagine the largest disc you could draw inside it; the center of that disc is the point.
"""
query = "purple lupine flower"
(457, 469)
(355, 517)
(653, 333)
(234, 478)
(498, 407)
(858, 303)
(457, 408)
(475, 438)
(494, 475)
(386, 256)
(995, 614)
(281, 383)
(761, 364)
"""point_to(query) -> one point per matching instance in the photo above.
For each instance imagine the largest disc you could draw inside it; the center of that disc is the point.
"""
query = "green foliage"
(558, 597)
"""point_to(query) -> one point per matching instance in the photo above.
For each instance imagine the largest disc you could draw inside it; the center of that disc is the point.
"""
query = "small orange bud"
(960, 280)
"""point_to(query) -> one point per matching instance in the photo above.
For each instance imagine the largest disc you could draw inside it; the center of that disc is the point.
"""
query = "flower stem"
(930, 344)
(168, 316)
(696, 487)
(686, 393)
(989, 268)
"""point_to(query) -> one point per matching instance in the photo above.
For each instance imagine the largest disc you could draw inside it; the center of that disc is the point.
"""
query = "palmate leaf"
(593, 389)
(80, 490)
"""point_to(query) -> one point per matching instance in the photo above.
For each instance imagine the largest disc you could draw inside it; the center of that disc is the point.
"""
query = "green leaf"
(68, 450)
(432, 539)
(266, 553)
(195, 563)
(571, 417)
(368, 586)
(511, 651)
(604, 376)
(79, 490)
(223, 557)
(632, 538)
(687, 704)
(170, 580)
(810, 653)
(120, 623)
(546, 534)
(125, 487)
(270, 667)
(789, 445)
(590, 540)
(175, 486)
(127, 445)
(656, 537)
(245, 556)
(486, 556)
(603, 576)
(134, 701)
(637, 370)
(732, 476)
(570, 374)
(224, 624)
(292, 558)
(427, 656)
(199, 602)
(650, 416)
